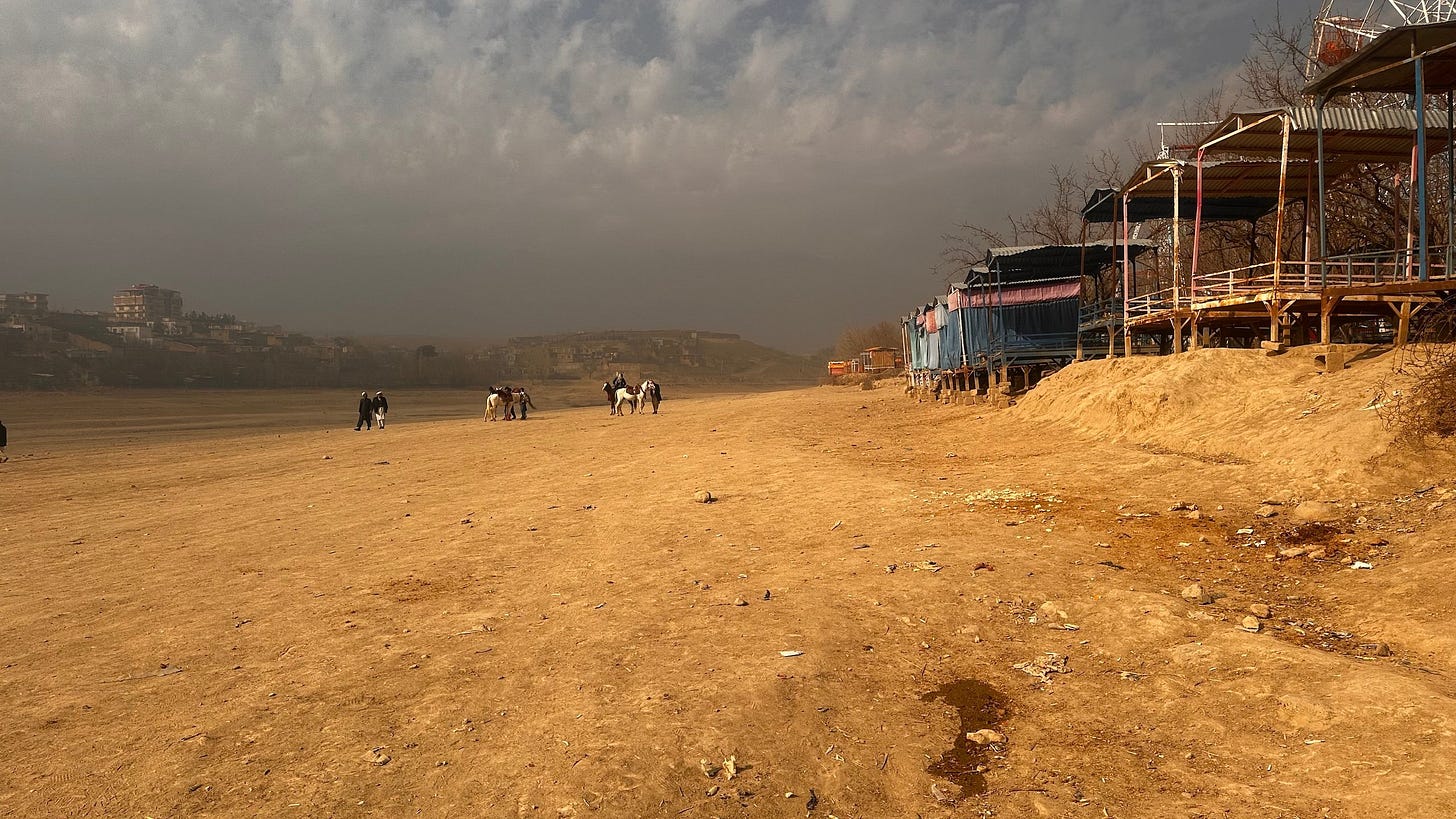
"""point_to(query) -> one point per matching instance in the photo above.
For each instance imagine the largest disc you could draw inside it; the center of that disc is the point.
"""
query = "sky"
(487, 168)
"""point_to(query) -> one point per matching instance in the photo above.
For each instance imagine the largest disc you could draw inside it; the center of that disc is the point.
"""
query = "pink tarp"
(1026, 294)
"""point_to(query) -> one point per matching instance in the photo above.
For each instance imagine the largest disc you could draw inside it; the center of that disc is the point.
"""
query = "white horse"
(651, 393)
(630, 396)
(495, 406)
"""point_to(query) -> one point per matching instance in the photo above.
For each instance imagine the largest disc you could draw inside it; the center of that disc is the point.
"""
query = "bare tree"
(855, 340)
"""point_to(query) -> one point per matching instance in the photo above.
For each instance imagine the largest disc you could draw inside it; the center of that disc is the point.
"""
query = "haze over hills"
(43, 349)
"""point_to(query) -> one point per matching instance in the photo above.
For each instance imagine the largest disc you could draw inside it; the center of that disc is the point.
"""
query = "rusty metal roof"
(1351, 134)
(1387, 63)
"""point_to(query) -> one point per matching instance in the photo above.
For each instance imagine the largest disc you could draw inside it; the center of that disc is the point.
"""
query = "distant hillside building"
(146, 303)
(24, 304)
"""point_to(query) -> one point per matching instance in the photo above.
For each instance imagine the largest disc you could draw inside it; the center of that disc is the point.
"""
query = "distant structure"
(33, 305)
(1338, 36)
(147, 303)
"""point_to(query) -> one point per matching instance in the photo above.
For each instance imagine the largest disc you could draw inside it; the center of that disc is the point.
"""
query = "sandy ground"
(459, 618)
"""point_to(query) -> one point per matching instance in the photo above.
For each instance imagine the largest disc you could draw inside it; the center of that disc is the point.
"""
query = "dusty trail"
(535, 619)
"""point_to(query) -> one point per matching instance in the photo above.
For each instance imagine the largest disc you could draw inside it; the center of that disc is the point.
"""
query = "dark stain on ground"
(980, 706)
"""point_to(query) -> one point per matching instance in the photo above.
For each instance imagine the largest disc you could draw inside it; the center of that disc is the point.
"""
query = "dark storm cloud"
(486, 168)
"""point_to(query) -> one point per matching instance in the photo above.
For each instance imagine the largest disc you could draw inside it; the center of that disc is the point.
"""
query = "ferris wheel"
(1338, 35)
(1417, 12)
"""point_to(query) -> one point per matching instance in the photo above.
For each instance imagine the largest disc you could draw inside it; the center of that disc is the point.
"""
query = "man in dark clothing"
(366, 412)
(381, 406)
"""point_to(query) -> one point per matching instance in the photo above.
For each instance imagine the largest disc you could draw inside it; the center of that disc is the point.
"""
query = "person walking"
(381, 407)
(366, 412)
(3, 456)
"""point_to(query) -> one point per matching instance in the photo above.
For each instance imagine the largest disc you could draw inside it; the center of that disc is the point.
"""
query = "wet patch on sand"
(981, 708)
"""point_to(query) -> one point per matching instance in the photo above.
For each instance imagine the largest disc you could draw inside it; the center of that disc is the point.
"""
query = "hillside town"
(148, 339)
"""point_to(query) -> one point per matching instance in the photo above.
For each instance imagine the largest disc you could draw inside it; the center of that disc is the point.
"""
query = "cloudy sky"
(780, 168)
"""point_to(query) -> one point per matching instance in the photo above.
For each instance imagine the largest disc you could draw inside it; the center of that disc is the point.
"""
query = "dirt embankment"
(1317, 430)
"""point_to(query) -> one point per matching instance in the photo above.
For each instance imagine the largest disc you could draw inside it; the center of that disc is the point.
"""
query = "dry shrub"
(1418, 401)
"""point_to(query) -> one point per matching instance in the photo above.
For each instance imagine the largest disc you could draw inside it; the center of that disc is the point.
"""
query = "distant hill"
(682, 356)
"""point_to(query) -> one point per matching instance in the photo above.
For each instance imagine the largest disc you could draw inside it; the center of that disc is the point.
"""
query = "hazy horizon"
(473, 169)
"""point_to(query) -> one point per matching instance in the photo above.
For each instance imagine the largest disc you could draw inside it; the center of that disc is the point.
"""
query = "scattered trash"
(837, 524)
(1043, 667)
(927, 566)
(740, 602)
(1360, 564)
(731, 766)
(710, 769)
(1109, 564)
(791, 653)
(813, 800)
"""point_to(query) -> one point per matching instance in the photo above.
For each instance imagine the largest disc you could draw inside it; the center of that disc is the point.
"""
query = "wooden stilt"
(1328, 304)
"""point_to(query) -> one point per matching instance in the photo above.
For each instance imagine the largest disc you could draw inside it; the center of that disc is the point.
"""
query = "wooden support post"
(1403, 314)
(1328, 304)
(1193, 331)
(1177, 335)
(1273, 308)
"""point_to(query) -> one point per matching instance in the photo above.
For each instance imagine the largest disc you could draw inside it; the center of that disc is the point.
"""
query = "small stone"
(1196, 594)
(1318, 511)
(986, 736)
(790, 795)
(1317, 554)
(1260, 610)
(713, 791)
(945, 792)
(1251, 624)
(1194, 515)
(376, 756)
(740, 602)
(1292, 552)
(1382, 650)
(1266, 511)
(703, 496)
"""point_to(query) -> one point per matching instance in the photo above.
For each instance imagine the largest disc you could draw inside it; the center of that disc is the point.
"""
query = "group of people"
(506, 401)
(372, 410)
(620, 394)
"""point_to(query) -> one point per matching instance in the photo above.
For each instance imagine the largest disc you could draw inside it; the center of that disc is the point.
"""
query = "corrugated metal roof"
(1351, 134)
(1051, 262)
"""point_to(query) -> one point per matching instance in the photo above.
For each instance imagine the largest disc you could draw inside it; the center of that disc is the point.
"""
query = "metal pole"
(1127, 283)
(1421, 204)
(1319, 129)
(1177, 255)
(1450, 178)
(1197, 231)
(1279, 216)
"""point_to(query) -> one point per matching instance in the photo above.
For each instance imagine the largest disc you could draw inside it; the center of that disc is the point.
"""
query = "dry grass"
(1418, 401)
